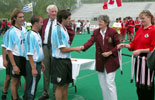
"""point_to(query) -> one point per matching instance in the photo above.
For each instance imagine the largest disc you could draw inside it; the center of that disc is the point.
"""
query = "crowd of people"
(81, 26)
(46, 47)
(127, 26)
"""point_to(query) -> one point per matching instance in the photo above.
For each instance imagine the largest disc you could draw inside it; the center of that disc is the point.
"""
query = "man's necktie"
(49, 35)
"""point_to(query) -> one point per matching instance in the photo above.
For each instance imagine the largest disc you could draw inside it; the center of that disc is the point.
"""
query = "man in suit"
(46, 31)
(107, 62)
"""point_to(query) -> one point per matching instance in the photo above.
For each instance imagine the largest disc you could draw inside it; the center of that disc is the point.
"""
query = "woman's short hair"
(104, 18)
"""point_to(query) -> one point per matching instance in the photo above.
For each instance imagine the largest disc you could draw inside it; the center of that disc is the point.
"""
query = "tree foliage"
(6, 7)
(39, 6)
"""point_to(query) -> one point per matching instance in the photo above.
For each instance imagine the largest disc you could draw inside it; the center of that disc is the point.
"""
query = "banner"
(27, 8)
(112, 4)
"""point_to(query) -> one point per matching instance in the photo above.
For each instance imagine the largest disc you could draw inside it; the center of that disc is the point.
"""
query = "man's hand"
(78, 49)
(5, 63)
(42, 66)
(16, 69)
(34, 72)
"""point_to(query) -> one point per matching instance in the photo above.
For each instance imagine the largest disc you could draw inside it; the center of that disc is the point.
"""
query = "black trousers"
(88, 30)
(145, 93)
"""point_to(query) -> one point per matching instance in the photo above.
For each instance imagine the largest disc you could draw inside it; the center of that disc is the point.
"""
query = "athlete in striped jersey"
(62, 67)
(16, 50)
(34, 57)
(6, 64)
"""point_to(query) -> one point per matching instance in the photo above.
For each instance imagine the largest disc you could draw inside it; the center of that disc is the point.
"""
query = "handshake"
(78, 49)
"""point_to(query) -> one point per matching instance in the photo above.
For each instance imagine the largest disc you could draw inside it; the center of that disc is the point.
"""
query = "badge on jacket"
(109, 40)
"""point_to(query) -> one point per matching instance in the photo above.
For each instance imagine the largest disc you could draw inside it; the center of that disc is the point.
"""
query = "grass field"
(87, 82)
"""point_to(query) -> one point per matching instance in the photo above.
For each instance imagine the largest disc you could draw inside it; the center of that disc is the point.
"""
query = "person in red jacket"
(123, 29)
(131, 25)
(143, 43)
(106, 40)
(137, 24)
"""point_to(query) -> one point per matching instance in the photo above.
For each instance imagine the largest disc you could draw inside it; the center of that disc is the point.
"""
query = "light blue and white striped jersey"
(60, 38)
(16, 42)
(5, 41)
(34, 46)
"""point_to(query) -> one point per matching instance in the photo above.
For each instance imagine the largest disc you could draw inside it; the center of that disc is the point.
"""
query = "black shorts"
(21, 63)
(78, 28)
(8, 68)
(61, 71)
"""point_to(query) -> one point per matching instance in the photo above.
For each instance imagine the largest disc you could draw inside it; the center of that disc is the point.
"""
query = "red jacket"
(42, 32)
(111, 40)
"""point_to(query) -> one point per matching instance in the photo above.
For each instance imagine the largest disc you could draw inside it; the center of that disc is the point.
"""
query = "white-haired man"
(46, 31)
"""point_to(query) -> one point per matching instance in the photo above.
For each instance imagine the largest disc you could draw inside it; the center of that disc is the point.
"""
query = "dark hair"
(14, 15)
(35, 18)
(148, 14)
(62, 14)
